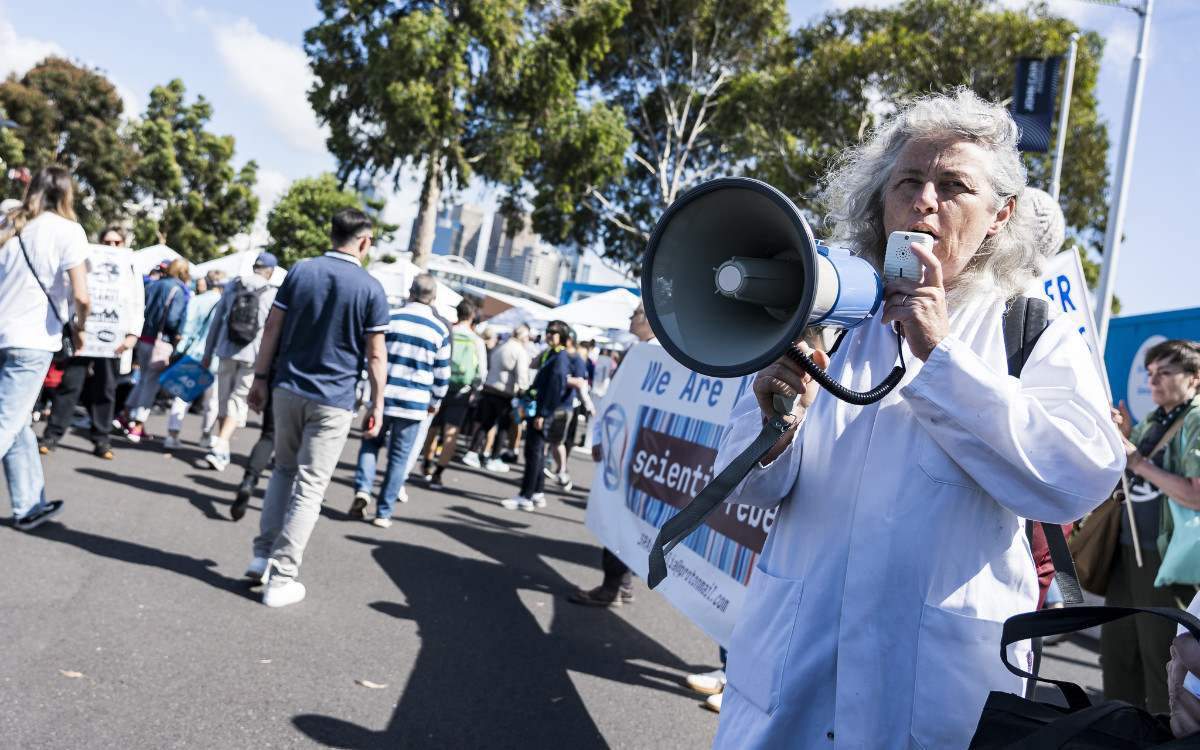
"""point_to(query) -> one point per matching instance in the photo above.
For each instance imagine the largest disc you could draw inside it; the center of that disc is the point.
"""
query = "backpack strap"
(1025, 320)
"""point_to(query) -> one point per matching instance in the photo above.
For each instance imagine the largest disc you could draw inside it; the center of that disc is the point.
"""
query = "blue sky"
(246, 58)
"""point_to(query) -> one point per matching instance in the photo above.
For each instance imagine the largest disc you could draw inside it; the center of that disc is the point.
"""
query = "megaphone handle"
(841, 391)
(783, 404)
(683, 523)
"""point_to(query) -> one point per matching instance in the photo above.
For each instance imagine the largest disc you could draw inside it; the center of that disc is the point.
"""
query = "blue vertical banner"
(1033, 101)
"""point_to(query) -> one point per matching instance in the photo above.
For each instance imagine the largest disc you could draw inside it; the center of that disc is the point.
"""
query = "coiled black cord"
(841, 391)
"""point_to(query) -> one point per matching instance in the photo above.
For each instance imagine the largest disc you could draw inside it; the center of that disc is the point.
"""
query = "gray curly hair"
(854, 190)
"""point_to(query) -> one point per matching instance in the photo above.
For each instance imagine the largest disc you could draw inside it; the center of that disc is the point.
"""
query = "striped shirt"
(418, 352)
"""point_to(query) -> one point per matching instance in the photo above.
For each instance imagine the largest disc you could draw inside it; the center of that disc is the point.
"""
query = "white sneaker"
(564, 480)
(472, 460)
(708, 683)
(516, 502)
(403, 496)
(281, 592)
(257, 569)
(383, 523)
(217, 460)
(172, 443)
(539, 499)
(550, 473)
(206, 441)
(714, 702)
(496, 465)
(358, 508)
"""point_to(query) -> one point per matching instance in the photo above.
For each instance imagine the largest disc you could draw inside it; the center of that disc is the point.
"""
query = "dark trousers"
(1134, 652)
(616, 573)
(101, 388)
(495, 410)
(260, 454)
(533, 480)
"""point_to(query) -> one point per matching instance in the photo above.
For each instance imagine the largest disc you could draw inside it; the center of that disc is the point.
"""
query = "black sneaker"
(47, 445)
(103, 450)
(435, 479)
(427, 470)
(31, 522)
(245, 491)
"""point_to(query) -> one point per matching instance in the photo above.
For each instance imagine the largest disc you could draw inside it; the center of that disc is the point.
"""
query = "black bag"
(242, 323)
(1010, 722)
(68, 347)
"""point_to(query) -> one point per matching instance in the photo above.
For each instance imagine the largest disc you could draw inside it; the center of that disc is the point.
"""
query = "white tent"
(149, 257)
(397, 278)
(607, 310)
(532, 314)
(237, 264)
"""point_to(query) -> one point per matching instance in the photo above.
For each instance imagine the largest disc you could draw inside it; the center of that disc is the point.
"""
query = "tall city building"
(456, 231)
(503, 247)
(469, 219)
(540, 267)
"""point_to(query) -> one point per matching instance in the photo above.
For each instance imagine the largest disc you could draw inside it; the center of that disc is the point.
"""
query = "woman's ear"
(1002, 216)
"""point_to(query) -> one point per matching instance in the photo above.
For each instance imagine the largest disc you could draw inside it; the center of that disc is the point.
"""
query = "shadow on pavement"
(206, 504)
(522, 672)
(140, 554)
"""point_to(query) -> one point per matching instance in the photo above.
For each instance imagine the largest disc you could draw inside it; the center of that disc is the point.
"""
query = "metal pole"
(1116, 209)
(1062, 117)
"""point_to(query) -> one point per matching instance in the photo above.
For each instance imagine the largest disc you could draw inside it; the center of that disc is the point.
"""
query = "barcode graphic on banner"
(671, 461)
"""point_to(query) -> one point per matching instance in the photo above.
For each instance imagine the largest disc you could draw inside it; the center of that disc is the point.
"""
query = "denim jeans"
(400, 435)
(21, 374)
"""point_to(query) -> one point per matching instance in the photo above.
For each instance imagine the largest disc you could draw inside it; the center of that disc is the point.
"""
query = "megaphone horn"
(732, 276)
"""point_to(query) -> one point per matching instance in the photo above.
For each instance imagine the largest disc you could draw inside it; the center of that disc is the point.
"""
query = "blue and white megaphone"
(732, 277)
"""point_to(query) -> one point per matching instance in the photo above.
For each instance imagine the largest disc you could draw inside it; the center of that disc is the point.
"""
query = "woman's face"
(112, 239)
(942, 188)
(1170, 384)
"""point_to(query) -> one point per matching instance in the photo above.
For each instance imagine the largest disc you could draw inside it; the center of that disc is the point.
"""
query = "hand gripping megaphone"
(731, 278)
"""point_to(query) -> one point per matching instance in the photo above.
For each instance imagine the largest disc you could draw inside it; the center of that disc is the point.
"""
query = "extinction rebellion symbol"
(614, 434)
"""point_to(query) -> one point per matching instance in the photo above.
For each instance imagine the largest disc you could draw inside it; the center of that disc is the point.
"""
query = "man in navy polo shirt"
(329, 315)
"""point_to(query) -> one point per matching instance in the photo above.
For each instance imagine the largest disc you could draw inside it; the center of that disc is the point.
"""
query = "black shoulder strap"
(1025, 319)
(32, 270)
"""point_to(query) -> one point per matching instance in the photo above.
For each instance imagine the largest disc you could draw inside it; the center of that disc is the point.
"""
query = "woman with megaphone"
(873, 618)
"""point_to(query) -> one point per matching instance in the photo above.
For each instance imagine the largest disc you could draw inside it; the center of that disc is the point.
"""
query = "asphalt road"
(126, 621)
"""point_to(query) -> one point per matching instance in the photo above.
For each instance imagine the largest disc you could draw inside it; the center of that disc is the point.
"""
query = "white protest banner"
(660, 426)
(1062, 284)
(109, 276)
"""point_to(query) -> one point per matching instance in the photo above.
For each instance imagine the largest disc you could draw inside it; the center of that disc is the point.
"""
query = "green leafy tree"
(69, 116)
(454, 88)
(301, 221)
(612, 172)
(842, 74)
(190, 197)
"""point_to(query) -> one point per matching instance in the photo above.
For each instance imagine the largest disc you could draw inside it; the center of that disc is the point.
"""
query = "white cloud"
(18, 55)
(273, 76)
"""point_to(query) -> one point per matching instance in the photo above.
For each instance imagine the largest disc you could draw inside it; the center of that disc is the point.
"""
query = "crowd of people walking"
(312, 353)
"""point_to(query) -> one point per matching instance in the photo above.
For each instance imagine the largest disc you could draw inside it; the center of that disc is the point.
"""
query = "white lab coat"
(873, 618)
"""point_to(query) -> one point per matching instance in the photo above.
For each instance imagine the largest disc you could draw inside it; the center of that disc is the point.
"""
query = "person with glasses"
(328, 317)
(97, 375)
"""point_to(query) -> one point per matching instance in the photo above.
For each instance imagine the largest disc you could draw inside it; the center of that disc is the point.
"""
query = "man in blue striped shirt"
(418, 373)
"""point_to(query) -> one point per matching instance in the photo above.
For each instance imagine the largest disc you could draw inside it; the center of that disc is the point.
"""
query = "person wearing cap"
(230, 340)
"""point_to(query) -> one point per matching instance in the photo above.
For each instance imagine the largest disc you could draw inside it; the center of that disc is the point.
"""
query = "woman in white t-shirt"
(43, 265)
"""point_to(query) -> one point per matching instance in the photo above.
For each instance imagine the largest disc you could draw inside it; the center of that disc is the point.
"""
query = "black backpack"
(242, 322)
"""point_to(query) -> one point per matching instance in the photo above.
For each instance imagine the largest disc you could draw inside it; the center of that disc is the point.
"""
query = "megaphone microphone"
(731, 278)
